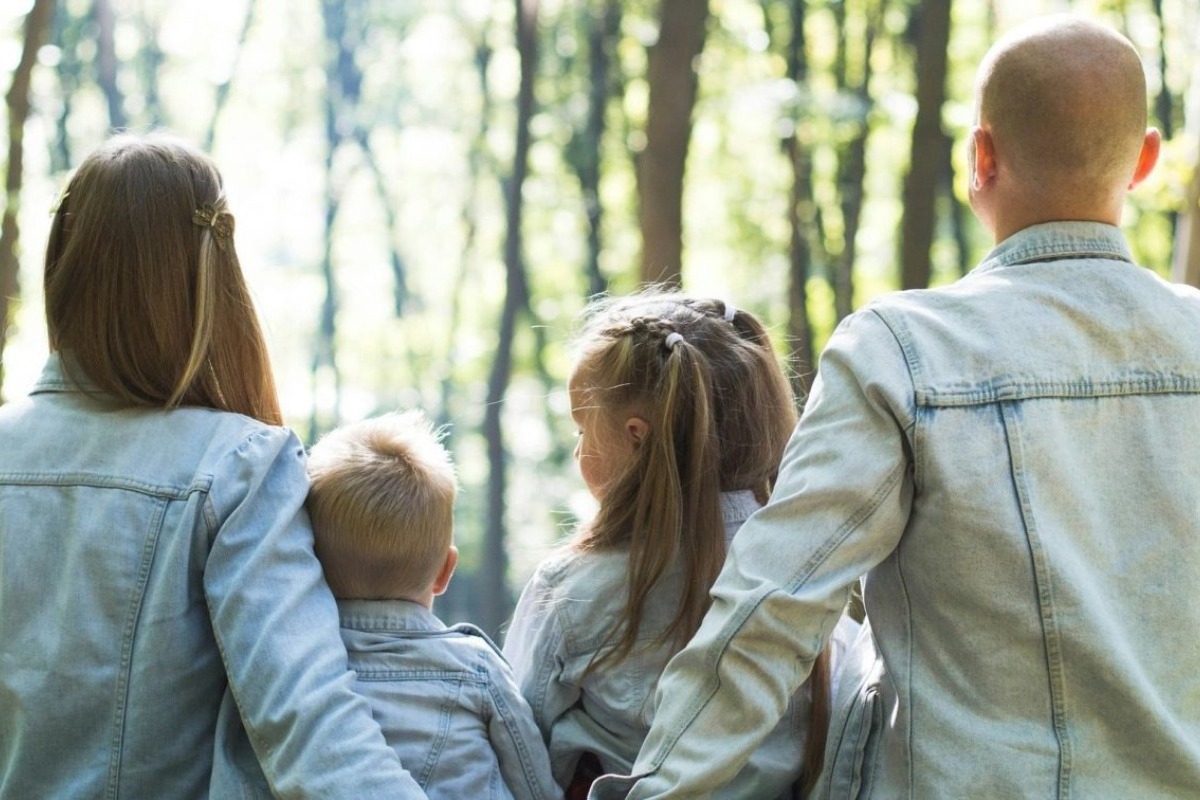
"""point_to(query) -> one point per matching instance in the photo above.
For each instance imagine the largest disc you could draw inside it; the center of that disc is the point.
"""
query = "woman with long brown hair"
(159, 596)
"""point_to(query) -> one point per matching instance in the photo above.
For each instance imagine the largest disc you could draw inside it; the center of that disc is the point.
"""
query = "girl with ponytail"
(683, 413)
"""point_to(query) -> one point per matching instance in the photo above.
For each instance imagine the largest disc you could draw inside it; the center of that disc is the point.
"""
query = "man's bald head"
(1065, 102)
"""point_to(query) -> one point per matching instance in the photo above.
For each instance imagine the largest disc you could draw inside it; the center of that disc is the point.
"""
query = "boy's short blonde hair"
(382, 506)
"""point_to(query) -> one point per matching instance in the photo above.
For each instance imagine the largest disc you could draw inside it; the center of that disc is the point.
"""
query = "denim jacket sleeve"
(534, 647)
(524, 762)
(276, 624)
(839, 508)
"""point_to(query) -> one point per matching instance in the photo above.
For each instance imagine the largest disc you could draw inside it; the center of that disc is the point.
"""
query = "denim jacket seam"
(129, 634)
(711, 680)
(101, 480)
(499, 706)
(549, 661)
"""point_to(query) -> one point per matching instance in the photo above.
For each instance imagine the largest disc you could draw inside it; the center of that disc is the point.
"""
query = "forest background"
(427, 192)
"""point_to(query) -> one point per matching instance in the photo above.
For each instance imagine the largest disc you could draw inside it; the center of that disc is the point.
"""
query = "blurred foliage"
(441, 132)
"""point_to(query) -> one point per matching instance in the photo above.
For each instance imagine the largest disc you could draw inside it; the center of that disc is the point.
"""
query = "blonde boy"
(382, 507)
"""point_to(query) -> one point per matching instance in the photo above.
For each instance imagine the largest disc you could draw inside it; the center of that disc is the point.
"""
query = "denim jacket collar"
(54, 377)
(387, 615)
(1051, 241)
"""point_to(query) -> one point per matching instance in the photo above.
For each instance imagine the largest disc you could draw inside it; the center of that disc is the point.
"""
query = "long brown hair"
(720, 410)
(144, 292)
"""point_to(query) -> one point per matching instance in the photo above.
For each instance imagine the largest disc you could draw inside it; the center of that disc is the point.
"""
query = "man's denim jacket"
(1014, 461)
(148, 560)
(564, 619)
(447, 702)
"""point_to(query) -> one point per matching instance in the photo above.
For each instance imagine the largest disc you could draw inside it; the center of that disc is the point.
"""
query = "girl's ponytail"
(667, 508)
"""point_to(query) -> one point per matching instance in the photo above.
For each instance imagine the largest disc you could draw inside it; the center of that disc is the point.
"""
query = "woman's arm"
(276, 624)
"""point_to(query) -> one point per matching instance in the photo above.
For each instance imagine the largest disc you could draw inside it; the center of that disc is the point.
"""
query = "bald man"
(1013, 462)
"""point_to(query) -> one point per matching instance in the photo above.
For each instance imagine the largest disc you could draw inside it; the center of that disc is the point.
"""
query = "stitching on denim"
(128, 634)
(96, 480)
(1014, 389)
(1045, 599)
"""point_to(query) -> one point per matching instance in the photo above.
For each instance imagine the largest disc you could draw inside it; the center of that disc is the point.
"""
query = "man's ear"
(443, 579)
(637, 428)
(982, 158)
(1151, 145)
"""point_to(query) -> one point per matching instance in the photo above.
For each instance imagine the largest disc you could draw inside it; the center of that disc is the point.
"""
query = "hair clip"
(220, 222)
(730, 311)
(57, 204)
(673, 338)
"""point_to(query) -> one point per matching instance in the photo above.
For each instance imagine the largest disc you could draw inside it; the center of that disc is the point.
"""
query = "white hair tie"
(730, 311)
(673, 338)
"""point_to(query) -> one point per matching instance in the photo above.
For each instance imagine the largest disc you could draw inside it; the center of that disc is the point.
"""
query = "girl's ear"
(637, 428)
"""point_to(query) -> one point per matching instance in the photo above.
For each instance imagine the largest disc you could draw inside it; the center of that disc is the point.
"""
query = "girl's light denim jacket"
(447, 702)
(1013, 462)
(564, 619)
(149, 560)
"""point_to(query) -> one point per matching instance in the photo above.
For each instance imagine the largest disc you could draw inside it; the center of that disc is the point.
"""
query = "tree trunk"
(67, 32)
(852, 172)
(801, 213)
(497, 601)
(342, 83)
(1187, 240)
(477, 164)
(671, 74)
(222, 93)
(925, 164)
(603, 20)
(106, 63)
(1187, 237)
(37, 26)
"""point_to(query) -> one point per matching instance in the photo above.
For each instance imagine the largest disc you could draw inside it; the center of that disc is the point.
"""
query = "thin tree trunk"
(852, 172)
(106, 63)
(1164, 105)
(341, 85)
(222, 94)
(476, 162)
(603, 23)
(671, 74)
(1186, 267)
(67, 32)
(801, 215)
(497, 601)
(1187, 240)
(958, 210)
(37, 26)
(391, 220)
(921, 182)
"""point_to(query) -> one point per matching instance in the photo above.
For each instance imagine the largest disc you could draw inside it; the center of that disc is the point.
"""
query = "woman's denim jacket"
(563, 620)
(447, 702)
(1015, 462)
(150, 559)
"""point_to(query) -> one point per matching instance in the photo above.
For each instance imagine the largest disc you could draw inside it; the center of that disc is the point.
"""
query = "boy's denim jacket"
(563, 620)
(1015, 462)
(447, 702)
(148, 560)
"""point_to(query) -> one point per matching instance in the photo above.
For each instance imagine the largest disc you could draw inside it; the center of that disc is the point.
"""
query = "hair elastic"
(730, 311)
(673, 338)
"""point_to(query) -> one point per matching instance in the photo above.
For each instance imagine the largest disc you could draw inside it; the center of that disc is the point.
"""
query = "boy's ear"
(637, 428)
(443, 579)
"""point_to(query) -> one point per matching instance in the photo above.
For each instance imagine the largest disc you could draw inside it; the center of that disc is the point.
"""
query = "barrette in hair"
(673, 338)
(730, 311)
(218, 221)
